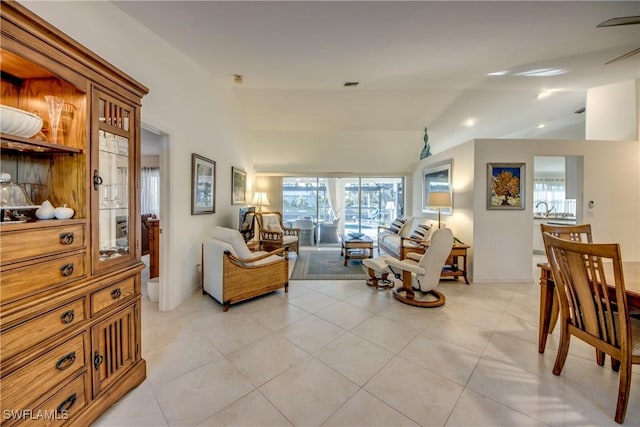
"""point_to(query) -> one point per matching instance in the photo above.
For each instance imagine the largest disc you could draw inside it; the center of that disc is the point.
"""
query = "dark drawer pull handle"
(97, 179)
(67, 316)
(116, 293)
(66, 406)
(66, 361)
(67, 269)
(97, 360)
(66, 238)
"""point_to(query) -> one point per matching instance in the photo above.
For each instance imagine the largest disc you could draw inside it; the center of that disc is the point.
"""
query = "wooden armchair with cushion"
(274, 235)
(232, 273)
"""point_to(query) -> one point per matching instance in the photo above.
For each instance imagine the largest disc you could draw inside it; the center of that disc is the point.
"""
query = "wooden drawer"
(34, 331)
(26, 280)
(27, 244)
(107, 297)
(62, 406)
(24, 386)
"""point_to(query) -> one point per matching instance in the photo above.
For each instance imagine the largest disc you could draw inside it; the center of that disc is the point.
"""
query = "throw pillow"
(272, 224)
(397, 224)
(421, 232)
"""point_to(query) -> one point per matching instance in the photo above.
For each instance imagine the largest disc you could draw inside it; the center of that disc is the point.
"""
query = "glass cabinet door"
(113, 191)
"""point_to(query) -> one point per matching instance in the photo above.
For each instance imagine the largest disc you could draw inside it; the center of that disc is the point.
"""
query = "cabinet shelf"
(17, 143)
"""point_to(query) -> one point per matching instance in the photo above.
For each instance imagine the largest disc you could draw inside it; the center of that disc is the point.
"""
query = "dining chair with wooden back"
(574, 233)
(589, 312)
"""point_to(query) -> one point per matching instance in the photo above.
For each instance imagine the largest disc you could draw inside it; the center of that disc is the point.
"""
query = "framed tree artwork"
(203, 185)
(505, 186)
(238, 186)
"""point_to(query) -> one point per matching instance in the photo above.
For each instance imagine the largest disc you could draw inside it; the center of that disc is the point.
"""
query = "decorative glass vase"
(426, 150)
(54, 104)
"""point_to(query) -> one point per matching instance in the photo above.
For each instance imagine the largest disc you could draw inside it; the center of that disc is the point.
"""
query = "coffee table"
(356, 248)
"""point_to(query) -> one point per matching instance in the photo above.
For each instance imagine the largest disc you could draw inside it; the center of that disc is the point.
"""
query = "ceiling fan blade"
(624, 20)
(625, 56)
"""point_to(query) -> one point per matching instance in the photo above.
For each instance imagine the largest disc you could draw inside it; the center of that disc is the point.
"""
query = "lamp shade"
(260, 199)
(439, 200)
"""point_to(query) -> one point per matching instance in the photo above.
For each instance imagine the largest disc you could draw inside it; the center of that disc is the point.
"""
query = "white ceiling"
(418, 63)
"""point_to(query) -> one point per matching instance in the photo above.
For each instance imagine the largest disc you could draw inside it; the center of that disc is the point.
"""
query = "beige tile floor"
(337, 353)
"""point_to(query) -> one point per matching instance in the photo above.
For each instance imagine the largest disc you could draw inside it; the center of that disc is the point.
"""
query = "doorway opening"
(154, 191)
(557, 194)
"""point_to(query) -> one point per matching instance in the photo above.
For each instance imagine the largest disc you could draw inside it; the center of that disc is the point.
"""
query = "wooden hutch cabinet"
(69, 288)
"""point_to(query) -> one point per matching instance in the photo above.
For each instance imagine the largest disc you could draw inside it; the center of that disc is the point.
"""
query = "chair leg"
(563, 349)
(623, 391)
(380, 283)
(599, 357)
(615, 365)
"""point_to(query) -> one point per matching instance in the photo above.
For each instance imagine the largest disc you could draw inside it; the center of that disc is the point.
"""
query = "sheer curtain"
(150, 191)
(552, 191)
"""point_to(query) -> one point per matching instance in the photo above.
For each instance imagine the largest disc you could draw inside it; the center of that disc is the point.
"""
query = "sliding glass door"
(324, 208)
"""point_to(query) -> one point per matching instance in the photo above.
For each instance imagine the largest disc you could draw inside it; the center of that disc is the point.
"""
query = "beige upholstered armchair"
(274, 235)
(232, 273)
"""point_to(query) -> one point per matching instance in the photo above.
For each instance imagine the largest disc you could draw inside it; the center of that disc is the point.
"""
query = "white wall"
(198, 113)
(312, 152)
(501, 241)
(461, 221)
(612, 112)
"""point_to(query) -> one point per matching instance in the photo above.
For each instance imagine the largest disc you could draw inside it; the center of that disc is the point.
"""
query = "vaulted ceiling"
(417, 63)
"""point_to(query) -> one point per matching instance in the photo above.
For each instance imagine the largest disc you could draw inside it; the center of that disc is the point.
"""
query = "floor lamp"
(439, 201)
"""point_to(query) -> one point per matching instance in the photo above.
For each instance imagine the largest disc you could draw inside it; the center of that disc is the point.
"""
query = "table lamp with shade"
(439, 201)
(260, 199)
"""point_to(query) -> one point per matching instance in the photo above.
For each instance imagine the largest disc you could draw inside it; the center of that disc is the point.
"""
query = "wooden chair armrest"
(418, 242)
(414, 256)
(279, 251)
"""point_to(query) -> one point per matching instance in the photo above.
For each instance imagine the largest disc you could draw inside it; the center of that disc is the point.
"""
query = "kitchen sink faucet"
(546, 206)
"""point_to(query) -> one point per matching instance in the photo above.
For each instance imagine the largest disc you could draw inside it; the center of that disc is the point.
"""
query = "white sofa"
(232, 273)
(398, 245)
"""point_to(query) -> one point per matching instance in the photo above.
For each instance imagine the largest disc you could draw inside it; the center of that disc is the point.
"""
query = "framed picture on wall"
(203, 185)
(238, 186)
(437, 180)
(505, 186)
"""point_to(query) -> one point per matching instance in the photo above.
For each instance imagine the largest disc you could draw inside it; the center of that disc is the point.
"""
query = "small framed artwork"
(437, 180)
(238, 186)
(203, 185)
(505, 186)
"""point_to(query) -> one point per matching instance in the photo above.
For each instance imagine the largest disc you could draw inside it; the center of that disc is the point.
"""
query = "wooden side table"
(456, 264)
(359, 248)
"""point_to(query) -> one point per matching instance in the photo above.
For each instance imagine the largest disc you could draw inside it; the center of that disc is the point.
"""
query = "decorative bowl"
(63, 212)
(18, 122)
(356, 235)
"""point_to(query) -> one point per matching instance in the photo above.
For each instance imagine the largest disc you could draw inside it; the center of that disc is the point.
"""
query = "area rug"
(326, 265)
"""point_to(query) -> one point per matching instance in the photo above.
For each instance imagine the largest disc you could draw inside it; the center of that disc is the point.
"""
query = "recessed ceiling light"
(542, 125)
(543, 94)
(351, 84)
(469, 122)
(542, 72)
(498, 73)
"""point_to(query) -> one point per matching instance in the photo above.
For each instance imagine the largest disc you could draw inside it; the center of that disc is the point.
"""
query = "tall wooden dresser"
(69, 288)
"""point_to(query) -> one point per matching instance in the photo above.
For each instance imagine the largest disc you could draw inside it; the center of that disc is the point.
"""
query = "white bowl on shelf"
(18, 122)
